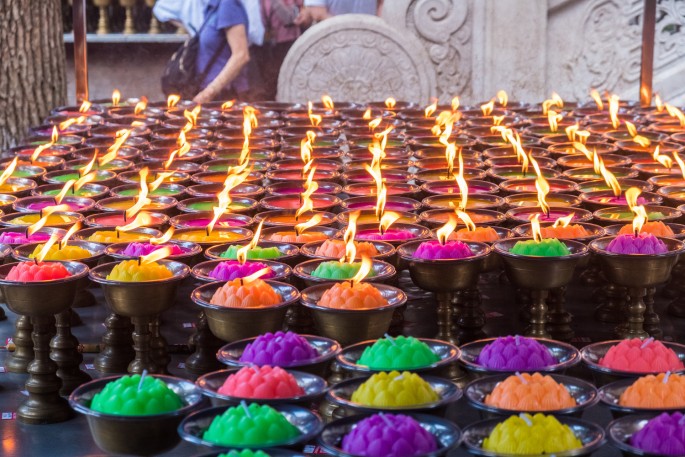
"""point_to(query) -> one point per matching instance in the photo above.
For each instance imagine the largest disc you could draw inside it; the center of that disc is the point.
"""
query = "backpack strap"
(203, 74)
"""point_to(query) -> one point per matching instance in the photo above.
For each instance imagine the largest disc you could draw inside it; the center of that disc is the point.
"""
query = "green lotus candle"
(255, 253)
(244, 453)
(251, 425)
(334, 269)
(136, 395)
(539, 247)
(401, 353)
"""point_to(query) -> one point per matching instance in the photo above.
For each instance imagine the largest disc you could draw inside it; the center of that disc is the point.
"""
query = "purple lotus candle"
(389, 435)
(21, 238)
(232, 269)
(140, 249)
(642, 243)
(515, 353)
(388, 235)
(662, 435)
(278, 349)
(434, 250)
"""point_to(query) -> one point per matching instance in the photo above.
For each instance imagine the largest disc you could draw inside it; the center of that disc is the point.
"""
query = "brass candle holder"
(141, 302)
(41, 300)
(381, 272)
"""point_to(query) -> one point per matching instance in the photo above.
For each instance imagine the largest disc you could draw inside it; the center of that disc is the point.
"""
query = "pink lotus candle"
(37, 271)
(641, 356)
(389, 435)
(136, 249)
(232, 269)
(21, 238)
(263, 382)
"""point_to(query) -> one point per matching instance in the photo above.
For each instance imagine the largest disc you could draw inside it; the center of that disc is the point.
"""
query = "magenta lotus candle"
(137, 249)
(22, 238)
(642, 243)
(233, 269)
(434, 250)
(662, 435)
(389, 435)
(636, 355)
(278, 349)
(515, 353)
(37, 204)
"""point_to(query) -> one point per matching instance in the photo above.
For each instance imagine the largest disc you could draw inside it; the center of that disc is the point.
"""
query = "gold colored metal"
(19, 360)
(445, 318)
(129, 26)
(116, 349)
(64, 352)
(154, 23)
(103, 18)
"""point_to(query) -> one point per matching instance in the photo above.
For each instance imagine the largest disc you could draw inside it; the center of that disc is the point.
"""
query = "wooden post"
(80, 50)
(647, 64)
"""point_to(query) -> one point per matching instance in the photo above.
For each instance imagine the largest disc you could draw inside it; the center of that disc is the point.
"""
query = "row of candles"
(282, 170)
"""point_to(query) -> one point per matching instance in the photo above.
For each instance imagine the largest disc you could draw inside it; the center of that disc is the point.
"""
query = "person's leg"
(271, 67)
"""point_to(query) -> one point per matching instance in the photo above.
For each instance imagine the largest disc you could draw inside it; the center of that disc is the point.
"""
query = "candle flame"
(113, 150)
(597, 98)
(254, 276)
(116, 97)
(450, 155)
(583, 149)
(639, 211)
(300, 228)
(521, 155)
(39, 150)
(659, 104)
(224, 198)
(314, 119)
(85, 106)
(348, 238)
(157, 254)
(367, 114)
(142, 195)
(9, 170)
(553, 118)
(466, 219)
(487, 108)
(307, 202)
(327, 102)
(535, 227)
(597, 161)
(461, 183)
(377, 153)
(663, 159)
(386, 220)
(375, 123)
(680, 163)
(46, 247)
(306, 150)
(69, 122)
(390, 102)
(444, 232)
(45, 214)
(172, 100)
(180, 152)
(563, 221)
(542, 187)
(502, 98)
(610, 179)
(497, 120)
(191, 116)
(164, 238)
(455, 103)
(73, 229)
(140, 106)
(675, 112)
(55, 135)
(571, 131)
(141, 220)
(613, 110)
(89, 166)
(555, 101)
(62, 193)
(364, 270)
(159, 180)
(430, 109)
(241, 254)
(639, 139)
(90, 177)
(227, 104)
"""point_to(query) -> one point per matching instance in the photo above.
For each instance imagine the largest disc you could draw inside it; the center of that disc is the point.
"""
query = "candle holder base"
(158, 347)
(19, 360)
(84, 298)
(397, 321)
(559, 324)
(612, 310)
(64, 352)
(470, 318)
(445, 310)
(74, 319)
(141, 345)
(636, 313)
(652, 324)
(203, 360)
(44, 405)
(537, 326)
(117, 346)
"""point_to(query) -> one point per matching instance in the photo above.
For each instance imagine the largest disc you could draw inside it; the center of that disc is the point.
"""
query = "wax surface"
(388, 235)
(394, 389)
(292, 237)
(515, 353)
(254, 294)
(641, 356)
(232, 269)
(118, 219)
(571, 231)
(133, 271)
(358, 297)
(41, 271)
(545, 435)
(389, 435)
(259, 425)
(335, 269)
(200, 236)
(140, 249)
(244, 453)
(401, 353)
(336, 249)
(643, 243)
(82, 192)
(662, 435)
(526, 392)
(53, 219)
(549, 247)
(433, 250)
(21, 238)
(656, 228)
(73, 206)
(481, 234)
(64, 253)
(128, 397)
(158, 192)
(255, 253)
(278, 349)
(660, 391)
(261, 382)
(113, 236)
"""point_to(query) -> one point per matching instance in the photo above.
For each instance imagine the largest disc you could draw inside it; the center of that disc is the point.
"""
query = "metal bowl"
(620, 430)
(446, 433)
(383, 272)
(308, 423)
(583, 392)
(385, 250)
(591, 435)
(447, 352)
(137, 435)
(272, 453)
(566, 355)
(289, 252)
(201, 271)
(610, 394)
(326, 348)
(314, 388)
(341, 394)
(190, 251)
(592, 353)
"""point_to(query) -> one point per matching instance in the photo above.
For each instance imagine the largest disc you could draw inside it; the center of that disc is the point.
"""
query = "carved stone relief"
(356, 58)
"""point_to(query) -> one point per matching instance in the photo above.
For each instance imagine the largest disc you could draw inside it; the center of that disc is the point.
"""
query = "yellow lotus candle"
(60, 250)
(395, 389)
(531, 435)
(145, 268)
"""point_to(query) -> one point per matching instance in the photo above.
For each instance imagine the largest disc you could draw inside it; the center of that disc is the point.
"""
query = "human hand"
(310, 14)
(204, 96)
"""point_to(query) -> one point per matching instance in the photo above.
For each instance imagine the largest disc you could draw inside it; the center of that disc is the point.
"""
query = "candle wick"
(351, 283)
(242, 283)
(55, 200)
(647, 342)
(391, 339)
(387, 421)
(207, 230)
(526, 419)
(520, 376)
(35, 260)
(666, 376)
(140, 260)
(247, 411)
(518, 340)
(142, 378)
(41, 213)
(117, 230)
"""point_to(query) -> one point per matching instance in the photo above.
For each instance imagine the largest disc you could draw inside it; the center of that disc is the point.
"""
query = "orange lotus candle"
(665, 390)
(354, 294)
(530, 392)
(298, 235)
(247, 292)
(473, 233)
(336, 249)
(562, 228)
(656, 228)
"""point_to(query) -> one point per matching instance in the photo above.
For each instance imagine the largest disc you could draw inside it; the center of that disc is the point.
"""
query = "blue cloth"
(224, 15)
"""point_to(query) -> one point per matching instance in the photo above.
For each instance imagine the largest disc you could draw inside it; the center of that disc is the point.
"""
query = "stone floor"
(72, 438)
